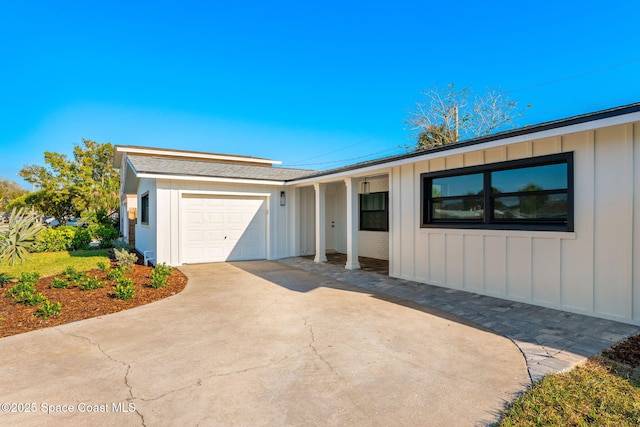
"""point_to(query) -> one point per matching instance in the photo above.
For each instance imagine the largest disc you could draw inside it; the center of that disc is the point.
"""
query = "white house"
(546, 214)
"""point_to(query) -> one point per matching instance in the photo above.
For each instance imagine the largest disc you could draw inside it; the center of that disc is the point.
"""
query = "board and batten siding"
(590, 271)
(146, 233)
(169, 196)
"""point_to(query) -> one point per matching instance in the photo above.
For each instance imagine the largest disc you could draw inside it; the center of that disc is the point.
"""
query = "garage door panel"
(214, 235)
(233, 236)
(216, 218)
(233, 218)
(213, 253)
(195, 218)
(195, 237)
(235, 254)
(218, 228)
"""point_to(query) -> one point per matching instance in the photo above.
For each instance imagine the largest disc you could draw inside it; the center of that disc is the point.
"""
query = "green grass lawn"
(599, 393)
(50, 263)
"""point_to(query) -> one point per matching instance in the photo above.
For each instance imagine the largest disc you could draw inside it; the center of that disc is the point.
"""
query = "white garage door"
(223, 228)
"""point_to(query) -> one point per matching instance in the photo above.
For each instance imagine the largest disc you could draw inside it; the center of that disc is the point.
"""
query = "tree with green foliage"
(9, 191)
(86, 182)
(58, 204)
(448, 115)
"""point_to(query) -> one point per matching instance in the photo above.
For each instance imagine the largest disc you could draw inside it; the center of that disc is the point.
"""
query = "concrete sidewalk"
(551, 340)
(262, 343)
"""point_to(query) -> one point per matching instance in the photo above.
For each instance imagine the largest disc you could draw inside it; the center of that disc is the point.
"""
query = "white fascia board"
(209, 179)
(382, 167)
(207, 156)
(368, 172)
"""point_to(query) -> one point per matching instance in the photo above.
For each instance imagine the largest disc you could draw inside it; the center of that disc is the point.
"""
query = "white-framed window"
(144, 209)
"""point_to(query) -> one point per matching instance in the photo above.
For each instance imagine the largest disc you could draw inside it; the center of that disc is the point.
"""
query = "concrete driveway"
(261, 343)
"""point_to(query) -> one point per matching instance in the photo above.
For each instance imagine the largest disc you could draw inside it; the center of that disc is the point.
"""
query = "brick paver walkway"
(551, 340)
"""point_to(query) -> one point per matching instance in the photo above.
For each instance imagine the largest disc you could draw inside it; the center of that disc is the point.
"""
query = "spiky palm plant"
(20, 237)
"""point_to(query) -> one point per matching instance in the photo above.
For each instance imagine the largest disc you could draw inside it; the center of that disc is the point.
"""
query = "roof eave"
(209, 178)
(611, 117)
(120, 150)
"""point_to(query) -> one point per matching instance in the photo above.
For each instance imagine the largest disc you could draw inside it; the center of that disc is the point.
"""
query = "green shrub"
(4, 279)
(124, 289)
(59, 282)
(34, 299)
(160, 276)
(22, 291)
(119, 244)
(29, 277)
(105, 234)
(115, 273)
(102, 266)
(72, 274)
(91, 284)
(81, 239)
(20, 237)
(55, 239)
(47, 308)
(125, 259)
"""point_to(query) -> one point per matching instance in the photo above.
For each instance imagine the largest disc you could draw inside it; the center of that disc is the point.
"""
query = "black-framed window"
(144, 209)
(374, 211)
(528, 194)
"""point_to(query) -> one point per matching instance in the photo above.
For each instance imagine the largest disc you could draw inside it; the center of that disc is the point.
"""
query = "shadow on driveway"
(263, 343)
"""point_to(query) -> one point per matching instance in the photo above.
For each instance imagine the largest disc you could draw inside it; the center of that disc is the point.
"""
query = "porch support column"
(353, 219)
(321, 249)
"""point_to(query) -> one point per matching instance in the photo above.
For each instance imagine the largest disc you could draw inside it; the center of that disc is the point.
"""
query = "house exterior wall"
(127, 203)
(146, 233)
(169, 195)
(307, 219)
(375, 244)
(589, 271)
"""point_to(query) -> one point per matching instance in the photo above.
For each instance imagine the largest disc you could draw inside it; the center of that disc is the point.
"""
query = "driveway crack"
(215, 375)
(125, 364)
(315, 350)
(326, 362)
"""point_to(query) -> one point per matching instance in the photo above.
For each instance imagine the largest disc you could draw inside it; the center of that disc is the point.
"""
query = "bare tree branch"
(448, 115)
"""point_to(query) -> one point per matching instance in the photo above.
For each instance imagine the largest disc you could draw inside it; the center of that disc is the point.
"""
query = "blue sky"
(314, 84)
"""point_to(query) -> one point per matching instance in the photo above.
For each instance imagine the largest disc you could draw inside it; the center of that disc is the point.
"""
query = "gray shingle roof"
(185, 167)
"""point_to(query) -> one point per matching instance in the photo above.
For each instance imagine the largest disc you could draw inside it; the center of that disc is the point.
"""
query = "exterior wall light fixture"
(365, 186)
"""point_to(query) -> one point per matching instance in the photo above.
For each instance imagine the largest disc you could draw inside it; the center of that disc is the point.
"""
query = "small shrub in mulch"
(77, 304)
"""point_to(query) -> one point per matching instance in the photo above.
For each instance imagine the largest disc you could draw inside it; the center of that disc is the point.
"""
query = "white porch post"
(321, 250)
(352, 224)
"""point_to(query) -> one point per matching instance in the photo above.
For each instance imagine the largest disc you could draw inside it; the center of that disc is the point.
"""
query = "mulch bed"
(78, 304)
(627, 351)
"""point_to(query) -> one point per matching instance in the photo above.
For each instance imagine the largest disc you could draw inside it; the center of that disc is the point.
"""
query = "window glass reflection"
(536, 178)
(460, 185)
